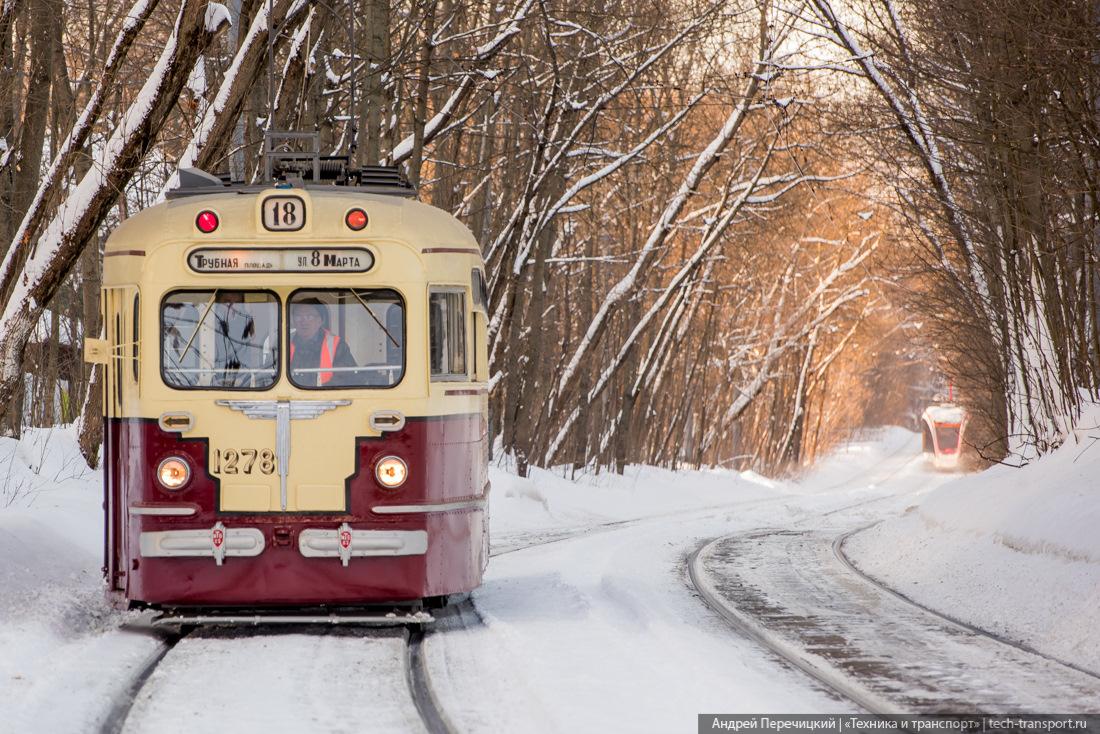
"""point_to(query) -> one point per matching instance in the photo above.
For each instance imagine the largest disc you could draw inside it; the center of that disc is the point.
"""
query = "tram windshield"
(229, 339)
(220, 339)
(947, 437)
(346, 338)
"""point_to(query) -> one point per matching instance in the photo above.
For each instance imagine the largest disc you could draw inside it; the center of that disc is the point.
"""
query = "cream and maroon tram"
(295, 399)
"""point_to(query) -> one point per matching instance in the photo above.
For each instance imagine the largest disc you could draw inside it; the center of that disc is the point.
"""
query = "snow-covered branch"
(475, 68)
(49, 188)
(240, 77)
(664, 226)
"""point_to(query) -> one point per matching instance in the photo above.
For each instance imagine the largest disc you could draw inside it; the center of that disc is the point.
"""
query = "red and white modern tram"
(942, 427)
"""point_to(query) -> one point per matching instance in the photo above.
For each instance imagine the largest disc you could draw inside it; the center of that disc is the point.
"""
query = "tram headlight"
(391, 472)
(173, 473)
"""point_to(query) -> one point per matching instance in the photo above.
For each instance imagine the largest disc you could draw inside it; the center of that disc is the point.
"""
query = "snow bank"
(51, 550)
(561, 499)
(1013, 551)
(51, 542)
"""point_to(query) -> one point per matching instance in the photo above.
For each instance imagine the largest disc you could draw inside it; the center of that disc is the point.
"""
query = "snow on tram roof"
(945, 413)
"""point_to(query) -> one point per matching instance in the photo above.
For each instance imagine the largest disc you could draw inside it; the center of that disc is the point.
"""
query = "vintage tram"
(295, 401)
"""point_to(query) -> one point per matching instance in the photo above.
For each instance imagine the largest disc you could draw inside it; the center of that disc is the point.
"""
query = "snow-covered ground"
(589, 621)
(1012, 551)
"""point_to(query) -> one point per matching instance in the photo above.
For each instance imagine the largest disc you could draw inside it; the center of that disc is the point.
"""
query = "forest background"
(717, 232)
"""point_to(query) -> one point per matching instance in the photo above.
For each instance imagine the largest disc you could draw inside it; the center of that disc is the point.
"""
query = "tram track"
(454, 617)
(120, 708)
(883, 470)
(546, 537)
(416, 674)
(796, 594)
(410, 667)
(789, 653)
(838, 551)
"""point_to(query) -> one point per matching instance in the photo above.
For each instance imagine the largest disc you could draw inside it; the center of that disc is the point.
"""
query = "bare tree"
(993, 111)
(33, 270)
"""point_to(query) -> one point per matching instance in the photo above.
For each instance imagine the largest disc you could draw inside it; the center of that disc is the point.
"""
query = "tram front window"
(220, 339)
(947, 437)
(343, 338)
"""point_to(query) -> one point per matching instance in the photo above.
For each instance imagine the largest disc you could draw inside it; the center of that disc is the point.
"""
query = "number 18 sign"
(284, 213)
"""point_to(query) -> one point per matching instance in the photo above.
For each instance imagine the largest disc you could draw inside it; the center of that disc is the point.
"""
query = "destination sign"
(281, 260)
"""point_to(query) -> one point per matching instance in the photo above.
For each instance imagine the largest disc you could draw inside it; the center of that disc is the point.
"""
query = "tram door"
(121, 311)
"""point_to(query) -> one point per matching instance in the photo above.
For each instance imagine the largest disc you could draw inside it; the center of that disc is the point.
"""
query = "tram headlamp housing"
(173, 473)
(391, 472)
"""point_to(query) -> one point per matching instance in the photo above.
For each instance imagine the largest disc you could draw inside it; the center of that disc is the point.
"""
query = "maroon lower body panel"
(282, 576)
(448, 465)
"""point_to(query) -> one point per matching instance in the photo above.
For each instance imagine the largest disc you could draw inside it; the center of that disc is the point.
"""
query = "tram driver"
(313, 348)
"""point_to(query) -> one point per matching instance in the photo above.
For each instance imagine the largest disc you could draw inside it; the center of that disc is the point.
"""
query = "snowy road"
(599, 628)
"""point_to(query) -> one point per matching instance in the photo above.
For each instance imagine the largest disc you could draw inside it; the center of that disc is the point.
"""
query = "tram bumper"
(346, 543)
(217, 542)
(343, 542)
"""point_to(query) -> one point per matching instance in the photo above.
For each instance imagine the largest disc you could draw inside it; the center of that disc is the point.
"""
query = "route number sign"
(284, 213)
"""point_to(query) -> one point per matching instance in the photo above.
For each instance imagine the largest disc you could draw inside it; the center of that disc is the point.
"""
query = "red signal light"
(356, 219)
(207, 222)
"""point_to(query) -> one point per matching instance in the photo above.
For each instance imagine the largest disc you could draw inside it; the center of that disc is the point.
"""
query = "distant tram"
(942, 427)
(295, 401)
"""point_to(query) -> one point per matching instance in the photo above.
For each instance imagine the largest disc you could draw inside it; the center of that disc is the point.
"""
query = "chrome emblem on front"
(282, 411)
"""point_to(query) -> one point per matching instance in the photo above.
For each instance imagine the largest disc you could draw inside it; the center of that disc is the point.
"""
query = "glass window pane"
(447, 337)
(220, 339)
(479, 290)
(947, 438)
(346, 338)
(137, 340)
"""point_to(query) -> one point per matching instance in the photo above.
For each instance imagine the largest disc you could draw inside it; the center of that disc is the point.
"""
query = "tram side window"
(447, 335)
(480, 290)
(137, 340)
(220, 339)
(343, 337)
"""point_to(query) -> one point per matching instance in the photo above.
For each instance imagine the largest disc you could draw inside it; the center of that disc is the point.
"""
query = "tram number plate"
(284, 213)
(242, 461)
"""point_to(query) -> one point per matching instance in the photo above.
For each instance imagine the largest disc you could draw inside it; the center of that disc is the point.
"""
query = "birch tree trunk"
(377, 56)
(28, 154)
(90, 428)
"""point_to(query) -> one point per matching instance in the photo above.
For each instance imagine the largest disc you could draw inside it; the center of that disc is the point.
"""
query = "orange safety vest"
(328, 351)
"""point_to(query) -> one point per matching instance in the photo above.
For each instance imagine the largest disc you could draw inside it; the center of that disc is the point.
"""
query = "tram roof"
(393, 211)
(384, 180)
(945, 413)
